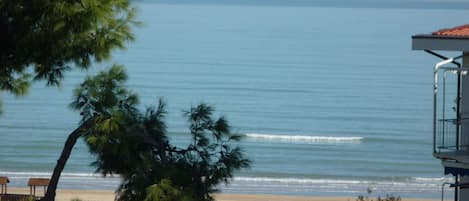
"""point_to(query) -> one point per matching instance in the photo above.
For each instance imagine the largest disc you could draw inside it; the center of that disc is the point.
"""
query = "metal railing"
(446, 132)
(448, 135)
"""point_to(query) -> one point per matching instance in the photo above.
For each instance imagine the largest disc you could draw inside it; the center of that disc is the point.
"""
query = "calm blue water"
(332, 100)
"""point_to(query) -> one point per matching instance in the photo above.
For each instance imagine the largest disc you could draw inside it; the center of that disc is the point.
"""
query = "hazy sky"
(427, 4)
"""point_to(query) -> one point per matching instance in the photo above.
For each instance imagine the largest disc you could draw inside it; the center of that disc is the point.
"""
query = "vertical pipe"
(445, 124)
(464, 108)
(444, 97)
(458, 109)
(456, 188)
(435, 92)
(442, 192)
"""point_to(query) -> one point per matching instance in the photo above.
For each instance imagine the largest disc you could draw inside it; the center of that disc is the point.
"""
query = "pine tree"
(135, 144)
(42, 39)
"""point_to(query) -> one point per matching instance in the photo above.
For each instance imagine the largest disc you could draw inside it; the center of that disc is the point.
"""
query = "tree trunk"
(59, 167)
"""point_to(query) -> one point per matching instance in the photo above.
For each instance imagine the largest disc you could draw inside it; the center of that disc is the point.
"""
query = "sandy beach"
(105, 195)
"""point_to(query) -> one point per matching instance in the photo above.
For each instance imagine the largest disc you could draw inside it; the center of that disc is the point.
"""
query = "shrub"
(387, 198)
(165, 191)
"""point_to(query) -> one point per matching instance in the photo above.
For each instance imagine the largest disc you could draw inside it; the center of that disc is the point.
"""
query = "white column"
(464, 138)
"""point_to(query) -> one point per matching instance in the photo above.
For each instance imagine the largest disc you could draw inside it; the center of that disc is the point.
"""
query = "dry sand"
(102, 195)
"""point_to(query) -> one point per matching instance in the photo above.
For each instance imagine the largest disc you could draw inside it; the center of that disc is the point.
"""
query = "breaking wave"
(304, 138)
(426, 187)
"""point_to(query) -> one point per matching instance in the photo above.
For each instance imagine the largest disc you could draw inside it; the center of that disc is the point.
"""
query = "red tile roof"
(459, 31)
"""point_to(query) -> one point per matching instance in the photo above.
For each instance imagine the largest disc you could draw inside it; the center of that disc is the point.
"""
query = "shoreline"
(108, 195)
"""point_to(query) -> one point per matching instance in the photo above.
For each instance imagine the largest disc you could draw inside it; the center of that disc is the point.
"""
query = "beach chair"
(33, 182)
(3, 184)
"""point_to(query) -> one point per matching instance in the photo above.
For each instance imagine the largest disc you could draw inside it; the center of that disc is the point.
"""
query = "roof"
(449, 39)
(38, 182)
(459, 31)
(4, 180)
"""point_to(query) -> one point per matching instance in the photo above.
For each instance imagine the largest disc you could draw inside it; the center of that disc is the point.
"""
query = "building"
(451, 103)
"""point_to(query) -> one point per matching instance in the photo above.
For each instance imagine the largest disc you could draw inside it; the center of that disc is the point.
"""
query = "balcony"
(450, 144)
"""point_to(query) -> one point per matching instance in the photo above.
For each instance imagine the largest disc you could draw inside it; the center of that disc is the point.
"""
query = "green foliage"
(104, 99)
(28, 198)
(165, 191)
(135, 145)
(106, 96)
(42, 39)
(379, 198)
(210, 158)
(17, 84)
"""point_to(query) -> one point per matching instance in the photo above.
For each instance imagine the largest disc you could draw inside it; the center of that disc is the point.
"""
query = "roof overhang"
(437, 42)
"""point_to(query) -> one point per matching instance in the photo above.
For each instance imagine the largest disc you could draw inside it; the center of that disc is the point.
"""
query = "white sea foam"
(400, 186)
(411, 180)
(296, 180)
(48, 174)
(436, 179)
(252, 179)
(248, 184)
(323, 185)
(304, 138)
(67, 180)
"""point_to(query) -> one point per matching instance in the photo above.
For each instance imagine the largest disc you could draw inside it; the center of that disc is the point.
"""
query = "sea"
(329, 95)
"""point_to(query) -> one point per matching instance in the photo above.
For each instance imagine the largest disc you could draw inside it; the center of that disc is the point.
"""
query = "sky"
(411, 4)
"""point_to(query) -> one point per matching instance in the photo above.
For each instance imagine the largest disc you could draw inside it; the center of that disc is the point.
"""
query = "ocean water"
(331, 99)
